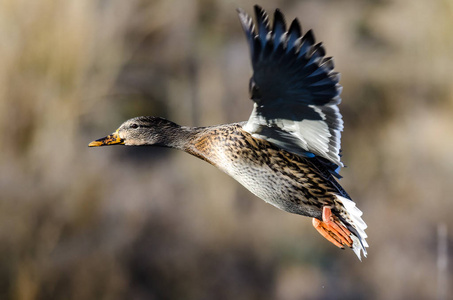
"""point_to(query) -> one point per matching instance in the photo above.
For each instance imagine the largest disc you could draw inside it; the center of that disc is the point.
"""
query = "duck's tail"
(352, 218)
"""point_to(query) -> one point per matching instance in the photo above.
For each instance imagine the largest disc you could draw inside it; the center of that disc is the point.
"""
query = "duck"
(288, 152)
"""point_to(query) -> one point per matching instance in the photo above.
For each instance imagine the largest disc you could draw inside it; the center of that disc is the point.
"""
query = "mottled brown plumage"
(288, 181)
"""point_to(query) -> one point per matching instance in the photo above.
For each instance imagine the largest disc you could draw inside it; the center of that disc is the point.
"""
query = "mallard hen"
(288, 152)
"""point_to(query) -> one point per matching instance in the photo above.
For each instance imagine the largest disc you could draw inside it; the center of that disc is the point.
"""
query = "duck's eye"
(134, 126)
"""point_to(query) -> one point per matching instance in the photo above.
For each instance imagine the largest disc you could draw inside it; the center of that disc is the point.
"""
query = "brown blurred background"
(148, 223)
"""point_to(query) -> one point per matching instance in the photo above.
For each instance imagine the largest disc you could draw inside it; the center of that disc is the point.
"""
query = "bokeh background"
(148, 223)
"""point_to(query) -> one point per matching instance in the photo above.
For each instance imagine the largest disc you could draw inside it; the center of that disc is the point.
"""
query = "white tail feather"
(353, 216)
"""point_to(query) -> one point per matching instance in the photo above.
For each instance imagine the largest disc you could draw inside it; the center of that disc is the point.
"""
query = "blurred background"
(149, 223)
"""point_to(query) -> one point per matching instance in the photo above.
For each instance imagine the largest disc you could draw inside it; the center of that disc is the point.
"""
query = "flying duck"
(288, 152)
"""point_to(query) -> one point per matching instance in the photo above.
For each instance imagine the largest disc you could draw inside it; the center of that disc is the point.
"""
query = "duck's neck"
(177, 137)
(192, 140)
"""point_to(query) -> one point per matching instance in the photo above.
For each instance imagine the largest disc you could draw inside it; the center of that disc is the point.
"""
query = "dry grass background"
(146, 223)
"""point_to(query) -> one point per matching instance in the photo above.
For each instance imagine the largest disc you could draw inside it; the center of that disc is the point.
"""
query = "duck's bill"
(112, 139)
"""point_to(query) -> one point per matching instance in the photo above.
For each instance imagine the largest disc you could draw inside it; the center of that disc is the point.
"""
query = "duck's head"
(141, 131)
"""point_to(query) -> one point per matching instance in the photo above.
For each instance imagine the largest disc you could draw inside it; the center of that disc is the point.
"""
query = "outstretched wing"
(294, 88)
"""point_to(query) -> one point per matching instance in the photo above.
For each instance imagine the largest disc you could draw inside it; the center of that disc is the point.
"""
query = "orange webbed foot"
(332, 229)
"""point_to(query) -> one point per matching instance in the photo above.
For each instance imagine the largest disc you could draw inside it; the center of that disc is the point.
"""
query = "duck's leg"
(332, 229)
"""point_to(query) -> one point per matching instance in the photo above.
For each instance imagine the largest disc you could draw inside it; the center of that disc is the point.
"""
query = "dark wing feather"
(295, 89)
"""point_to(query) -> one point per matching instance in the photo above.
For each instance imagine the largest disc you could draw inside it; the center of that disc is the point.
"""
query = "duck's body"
(289, 182)
(288, 152)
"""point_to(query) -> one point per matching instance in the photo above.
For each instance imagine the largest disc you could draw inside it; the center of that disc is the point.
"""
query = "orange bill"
(111, 139)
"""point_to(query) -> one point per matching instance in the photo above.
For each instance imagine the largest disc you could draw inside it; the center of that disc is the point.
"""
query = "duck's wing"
(294, 87)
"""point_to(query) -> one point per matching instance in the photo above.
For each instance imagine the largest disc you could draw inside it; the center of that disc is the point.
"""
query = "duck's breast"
(276, 176)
